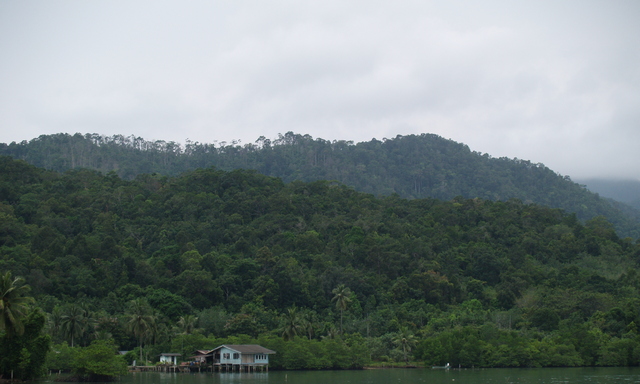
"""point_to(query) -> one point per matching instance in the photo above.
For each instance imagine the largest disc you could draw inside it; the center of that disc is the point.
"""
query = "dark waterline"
(385, 376)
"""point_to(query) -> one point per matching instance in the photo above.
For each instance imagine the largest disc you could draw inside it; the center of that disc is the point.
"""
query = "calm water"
(385, 376)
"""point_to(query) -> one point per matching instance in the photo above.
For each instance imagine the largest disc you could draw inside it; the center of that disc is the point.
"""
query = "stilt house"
(243, 354)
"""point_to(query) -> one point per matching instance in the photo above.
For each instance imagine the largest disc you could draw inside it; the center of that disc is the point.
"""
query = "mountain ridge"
(412, 166)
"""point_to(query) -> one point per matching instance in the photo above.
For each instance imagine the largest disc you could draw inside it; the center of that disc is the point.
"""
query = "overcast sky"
(554, 82)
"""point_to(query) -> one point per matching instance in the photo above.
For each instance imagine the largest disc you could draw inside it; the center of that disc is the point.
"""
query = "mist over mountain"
(625, 191)
(414, 166)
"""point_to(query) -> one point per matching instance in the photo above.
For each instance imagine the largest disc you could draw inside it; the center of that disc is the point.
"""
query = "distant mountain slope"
(415, 166)
(626, 191)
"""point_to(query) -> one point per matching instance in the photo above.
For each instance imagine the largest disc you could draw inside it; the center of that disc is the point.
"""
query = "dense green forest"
(414, 166)
(327, 276)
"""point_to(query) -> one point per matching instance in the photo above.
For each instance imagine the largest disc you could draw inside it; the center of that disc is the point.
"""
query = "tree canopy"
(412, 166)
(481, 282)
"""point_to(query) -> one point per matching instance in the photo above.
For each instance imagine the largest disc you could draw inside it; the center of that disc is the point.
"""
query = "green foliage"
(213, 320)
(25, 354)
(74, 322)
(99, 361)
(140, 321)
(342, 298)
(302, 353)
(467, 281)
(488, 346)
(405, 340)
(413, 166)
(61, 357)
(13, 303)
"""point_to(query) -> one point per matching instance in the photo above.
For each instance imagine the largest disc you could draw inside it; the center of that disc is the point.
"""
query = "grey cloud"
(551, 82)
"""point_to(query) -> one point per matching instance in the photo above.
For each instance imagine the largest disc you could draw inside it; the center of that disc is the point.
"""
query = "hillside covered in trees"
(330, 276)
(422, 166)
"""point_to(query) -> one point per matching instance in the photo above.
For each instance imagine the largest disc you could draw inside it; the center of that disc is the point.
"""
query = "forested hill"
(466, 281)
(411, 166)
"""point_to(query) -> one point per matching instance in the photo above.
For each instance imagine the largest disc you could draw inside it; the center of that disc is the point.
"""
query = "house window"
(225, 356)
(236, 356)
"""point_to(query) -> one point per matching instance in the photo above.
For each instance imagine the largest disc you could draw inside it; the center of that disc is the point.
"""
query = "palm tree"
(152, 334)
(309, 323)
(292, 325)
(89, 322)
(405, 339)
(101, 334)
(54, 322)
(73, 321)
(160, 331)
(140, 320)
(342, 297)
(331, 331)
(13, 303)
(187, 324)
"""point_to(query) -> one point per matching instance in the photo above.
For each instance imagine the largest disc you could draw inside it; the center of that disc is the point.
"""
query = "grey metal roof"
(248, 348)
